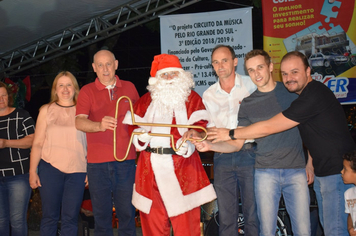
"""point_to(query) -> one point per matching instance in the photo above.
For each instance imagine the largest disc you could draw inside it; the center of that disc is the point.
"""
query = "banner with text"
(192, 37)
(324, 30)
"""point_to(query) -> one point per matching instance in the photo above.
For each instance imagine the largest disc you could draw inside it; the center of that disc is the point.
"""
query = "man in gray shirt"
(280, 164)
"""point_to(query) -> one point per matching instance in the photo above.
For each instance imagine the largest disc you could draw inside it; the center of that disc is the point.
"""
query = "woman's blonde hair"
(54, 96)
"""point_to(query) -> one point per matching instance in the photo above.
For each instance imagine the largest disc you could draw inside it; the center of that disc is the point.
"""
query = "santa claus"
(170, 186)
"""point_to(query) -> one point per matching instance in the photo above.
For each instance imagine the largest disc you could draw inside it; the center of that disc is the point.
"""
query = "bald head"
(104, 66)
(101, 52)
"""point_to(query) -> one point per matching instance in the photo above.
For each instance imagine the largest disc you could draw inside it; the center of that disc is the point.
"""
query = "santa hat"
(163, 63)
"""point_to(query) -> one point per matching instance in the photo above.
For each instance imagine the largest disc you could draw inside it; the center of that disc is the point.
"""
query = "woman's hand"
(35, 180)
(86, 181)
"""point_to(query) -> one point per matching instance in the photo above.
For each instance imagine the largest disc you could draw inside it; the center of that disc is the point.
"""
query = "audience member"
(233, 172)
(110, 182)
(323, 127)
(280, 164)
(170, 186)
(59, 152)
(16, 135)
(348, 175)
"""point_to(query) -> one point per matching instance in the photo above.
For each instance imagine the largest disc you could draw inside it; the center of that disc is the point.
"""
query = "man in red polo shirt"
(109, 181)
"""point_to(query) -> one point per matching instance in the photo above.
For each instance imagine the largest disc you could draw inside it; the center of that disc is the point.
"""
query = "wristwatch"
(231, 134)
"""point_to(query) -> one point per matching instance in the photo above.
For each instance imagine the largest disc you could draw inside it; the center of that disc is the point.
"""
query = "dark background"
(134, 49)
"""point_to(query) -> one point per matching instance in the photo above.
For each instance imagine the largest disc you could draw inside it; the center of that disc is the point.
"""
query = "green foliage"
(257, 3)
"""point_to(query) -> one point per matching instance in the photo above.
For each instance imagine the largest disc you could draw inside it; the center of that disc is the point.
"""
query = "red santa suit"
(180, 181)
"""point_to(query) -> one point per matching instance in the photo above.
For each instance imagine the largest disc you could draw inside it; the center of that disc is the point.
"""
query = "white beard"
(170, 95)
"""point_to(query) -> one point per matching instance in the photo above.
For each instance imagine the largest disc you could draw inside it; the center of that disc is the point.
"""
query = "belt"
(160, 150)
(249, 145)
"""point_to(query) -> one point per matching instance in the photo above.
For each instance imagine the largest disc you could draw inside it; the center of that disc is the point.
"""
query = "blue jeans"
(112, 182)
(61, 196)
(329, 192)
(15, 193)
(233, 175)
(270, 184)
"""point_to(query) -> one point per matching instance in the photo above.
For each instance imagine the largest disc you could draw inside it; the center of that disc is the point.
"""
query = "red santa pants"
(157, 222)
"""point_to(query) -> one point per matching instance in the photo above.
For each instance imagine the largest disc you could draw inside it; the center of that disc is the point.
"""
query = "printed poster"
(192, 38)
(324, 30)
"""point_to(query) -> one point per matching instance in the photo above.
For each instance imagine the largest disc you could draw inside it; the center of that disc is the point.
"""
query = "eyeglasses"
(171, 74)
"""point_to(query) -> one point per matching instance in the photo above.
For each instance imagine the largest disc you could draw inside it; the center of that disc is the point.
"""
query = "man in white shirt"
(233, 172)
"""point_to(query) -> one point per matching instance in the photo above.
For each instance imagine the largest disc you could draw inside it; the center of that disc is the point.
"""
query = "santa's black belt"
(160, 150)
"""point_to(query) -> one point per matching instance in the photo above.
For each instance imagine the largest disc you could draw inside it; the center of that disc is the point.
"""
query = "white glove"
(182, 150)
(186, 149)
(145, 137)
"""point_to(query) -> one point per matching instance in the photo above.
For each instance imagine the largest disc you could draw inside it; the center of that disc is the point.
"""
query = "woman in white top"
(59, 152)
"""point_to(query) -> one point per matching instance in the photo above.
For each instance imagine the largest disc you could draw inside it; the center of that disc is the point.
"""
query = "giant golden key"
(152, 134)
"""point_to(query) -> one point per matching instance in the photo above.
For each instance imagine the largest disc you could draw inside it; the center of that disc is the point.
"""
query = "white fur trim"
(181, 118)
(141, 202)
(168, 69)
(198, 115)
(127, 119)
(174, 200)
(152, 80)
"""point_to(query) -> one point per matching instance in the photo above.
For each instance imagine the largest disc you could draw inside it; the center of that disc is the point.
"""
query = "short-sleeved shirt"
(282, 150)
(16, 125)
(223, 107)
(323, 127)
(64, 147)
(350, 204)
(96, 101)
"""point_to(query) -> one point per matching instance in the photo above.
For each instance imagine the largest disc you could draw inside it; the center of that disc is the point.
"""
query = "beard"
(293, 87)
(170, 95)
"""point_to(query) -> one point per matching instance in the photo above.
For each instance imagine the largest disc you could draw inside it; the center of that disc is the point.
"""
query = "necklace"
(65, 106)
